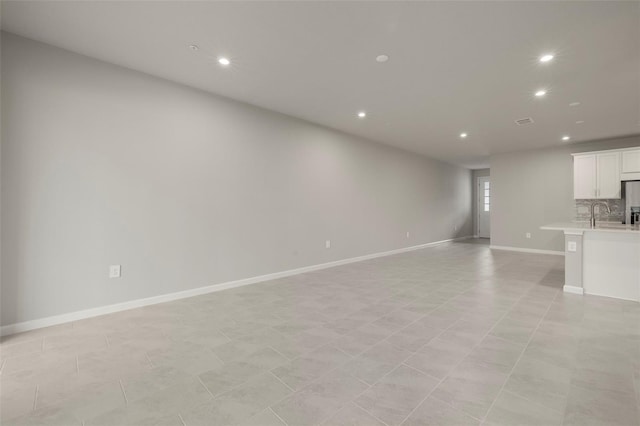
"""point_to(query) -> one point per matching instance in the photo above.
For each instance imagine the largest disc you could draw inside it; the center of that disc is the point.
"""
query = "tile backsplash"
(583, 210)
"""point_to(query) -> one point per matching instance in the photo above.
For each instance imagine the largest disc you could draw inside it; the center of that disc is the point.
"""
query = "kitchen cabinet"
(584, 176)
(631, 161)
(631, 165)
(597, 176)
(608, 175)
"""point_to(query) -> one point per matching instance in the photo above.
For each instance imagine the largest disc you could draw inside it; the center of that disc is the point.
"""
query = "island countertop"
(585, 226)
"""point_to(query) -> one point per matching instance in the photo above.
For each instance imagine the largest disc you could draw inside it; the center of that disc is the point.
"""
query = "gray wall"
(474, 201)
(534, 188)
(103, 165)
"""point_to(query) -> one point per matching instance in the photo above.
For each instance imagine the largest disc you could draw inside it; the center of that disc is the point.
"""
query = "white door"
(584, 177)
(609, 183)
(484, 206)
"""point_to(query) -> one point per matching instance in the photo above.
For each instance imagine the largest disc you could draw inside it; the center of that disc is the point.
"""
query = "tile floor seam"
(573, 369)
(386, 338)
(418, 370)
(448, 404)
(368, 412)
(151, 364)
(284, 335)
(561, 412)
(205, 386)
(236, 386)
(224, 334)
(423, 400)
(362, 381)
(411, 323)
(35, 398)
(276, 414)
(182, 420)
(218, 358)
(278, 352)
(370, 386)
(442, 331)
(317, 379)
(520, 356)
(534, 402)
(465, 357)
(376, 319)
(505, 339)
(333, 345)
(124, 394)
(280, 380)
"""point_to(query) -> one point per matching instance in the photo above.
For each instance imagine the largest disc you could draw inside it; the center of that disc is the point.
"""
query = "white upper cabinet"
(584, 176)
(608, 172)
(631, 161)
(597, 175)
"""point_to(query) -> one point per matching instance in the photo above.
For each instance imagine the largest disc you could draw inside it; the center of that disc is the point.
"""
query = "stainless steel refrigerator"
(632, 199)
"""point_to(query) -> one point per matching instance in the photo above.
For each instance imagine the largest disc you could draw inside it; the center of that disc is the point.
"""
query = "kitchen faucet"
(593, 213)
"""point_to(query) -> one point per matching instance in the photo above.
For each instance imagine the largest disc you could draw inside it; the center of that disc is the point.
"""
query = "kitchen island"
(603, 260)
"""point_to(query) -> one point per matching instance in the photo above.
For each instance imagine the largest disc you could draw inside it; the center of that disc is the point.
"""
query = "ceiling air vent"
(523, 121)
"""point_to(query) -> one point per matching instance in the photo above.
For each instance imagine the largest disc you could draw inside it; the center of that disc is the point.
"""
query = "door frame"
(480, 205)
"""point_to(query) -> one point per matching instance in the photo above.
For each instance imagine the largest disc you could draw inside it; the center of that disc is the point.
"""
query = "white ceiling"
(454, 66)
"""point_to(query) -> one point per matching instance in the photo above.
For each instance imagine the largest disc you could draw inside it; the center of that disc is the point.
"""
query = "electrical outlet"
(114, 271)
(407, 234)
(572, 246)
(327, 244)
(528, 235)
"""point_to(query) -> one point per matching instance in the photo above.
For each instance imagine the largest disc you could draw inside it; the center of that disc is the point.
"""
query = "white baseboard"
(573, 289)
(526, 250)
(19, 327)
(611, 297)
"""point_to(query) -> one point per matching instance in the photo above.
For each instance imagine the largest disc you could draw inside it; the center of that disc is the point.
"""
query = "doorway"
(484, 206)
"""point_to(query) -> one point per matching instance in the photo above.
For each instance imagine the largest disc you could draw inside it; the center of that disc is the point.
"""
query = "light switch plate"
(572, 246)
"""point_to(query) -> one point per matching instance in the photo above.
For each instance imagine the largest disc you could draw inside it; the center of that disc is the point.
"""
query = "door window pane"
(487, 195)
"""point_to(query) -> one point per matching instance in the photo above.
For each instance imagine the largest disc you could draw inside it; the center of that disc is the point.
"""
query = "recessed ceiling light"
(362, 114)
(382, 58)
(546, 58)
(566, 138)
(579, 121)
(224, 61)
(463, 135)
(574, 104)
(194, 47)
(541, 93)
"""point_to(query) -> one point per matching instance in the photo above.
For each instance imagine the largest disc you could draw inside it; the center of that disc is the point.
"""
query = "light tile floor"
(455, 334)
